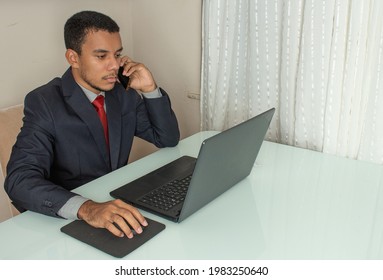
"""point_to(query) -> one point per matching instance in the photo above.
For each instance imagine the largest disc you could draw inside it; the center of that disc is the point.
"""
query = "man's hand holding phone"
(140, 78)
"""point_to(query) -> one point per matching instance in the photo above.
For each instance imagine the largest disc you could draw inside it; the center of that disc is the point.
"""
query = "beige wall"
(167, 38)
(32, 44)
(163, 34)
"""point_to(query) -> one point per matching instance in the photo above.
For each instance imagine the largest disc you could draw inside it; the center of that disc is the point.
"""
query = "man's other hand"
(116, 216)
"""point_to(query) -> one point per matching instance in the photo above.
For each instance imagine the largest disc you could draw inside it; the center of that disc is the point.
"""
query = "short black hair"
(77, 27)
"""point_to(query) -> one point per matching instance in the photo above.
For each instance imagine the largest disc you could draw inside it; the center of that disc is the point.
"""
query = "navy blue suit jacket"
(62, 146)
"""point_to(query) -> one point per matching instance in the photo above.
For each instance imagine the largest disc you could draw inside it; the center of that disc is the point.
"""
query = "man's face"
(97, 66)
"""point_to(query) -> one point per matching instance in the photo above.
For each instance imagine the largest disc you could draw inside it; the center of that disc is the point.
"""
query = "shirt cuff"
(70, 208)
(153, 94)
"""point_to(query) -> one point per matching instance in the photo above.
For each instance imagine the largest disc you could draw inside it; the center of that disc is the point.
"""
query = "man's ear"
(72, 57)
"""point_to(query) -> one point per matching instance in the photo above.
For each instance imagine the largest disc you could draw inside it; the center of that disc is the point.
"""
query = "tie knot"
(99, 102)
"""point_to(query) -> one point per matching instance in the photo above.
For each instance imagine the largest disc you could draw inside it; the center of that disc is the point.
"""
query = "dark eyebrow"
(105, 51)
(100, 51)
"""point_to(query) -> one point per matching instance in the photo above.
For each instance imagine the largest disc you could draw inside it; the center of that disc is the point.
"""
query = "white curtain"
(318, 62)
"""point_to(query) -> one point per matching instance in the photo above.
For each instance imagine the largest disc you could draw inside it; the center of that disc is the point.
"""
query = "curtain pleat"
(319, 63)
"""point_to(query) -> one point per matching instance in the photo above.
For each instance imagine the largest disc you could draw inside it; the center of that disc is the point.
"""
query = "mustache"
(110, 76)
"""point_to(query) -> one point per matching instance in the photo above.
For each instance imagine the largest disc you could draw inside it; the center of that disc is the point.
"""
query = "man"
(63, 142)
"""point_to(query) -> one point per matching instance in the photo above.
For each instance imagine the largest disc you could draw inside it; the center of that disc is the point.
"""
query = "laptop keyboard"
(168, 195)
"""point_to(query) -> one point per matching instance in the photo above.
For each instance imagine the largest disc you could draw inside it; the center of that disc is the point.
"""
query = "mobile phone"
(124, 80)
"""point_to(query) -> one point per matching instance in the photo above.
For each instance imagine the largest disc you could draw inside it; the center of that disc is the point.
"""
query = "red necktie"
(98, 103)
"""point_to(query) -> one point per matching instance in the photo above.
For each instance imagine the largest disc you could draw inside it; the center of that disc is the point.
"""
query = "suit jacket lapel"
(113, 113)
(76, 98)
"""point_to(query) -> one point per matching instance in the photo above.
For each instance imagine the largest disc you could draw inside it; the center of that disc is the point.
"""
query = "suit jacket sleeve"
(156, 121)
(29, 168)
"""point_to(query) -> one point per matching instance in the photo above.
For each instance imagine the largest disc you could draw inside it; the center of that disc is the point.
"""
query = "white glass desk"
(296, 204)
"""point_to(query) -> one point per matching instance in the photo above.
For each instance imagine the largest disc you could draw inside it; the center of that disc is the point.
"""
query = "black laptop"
(178, 189)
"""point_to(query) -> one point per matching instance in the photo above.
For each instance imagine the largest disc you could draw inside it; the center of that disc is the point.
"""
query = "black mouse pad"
(105, 241)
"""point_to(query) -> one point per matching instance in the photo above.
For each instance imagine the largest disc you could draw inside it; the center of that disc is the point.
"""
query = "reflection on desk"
(296, 204)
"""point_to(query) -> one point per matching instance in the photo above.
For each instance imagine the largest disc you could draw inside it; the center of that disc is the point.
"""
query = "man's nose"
(114, 63)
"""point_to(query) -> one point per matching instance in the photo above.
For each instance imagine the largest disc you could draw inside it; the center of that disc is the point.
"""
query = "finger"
(130, 220)
(130, 68)
(134, 67)
(122, 225)
(134, 211)
(125, 60)
(138, 216)
(114, 230)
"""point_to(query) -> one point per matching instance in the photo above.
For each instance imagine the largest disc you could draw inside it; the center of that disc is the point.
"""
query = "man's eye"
(101, 56)
(118, 55)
